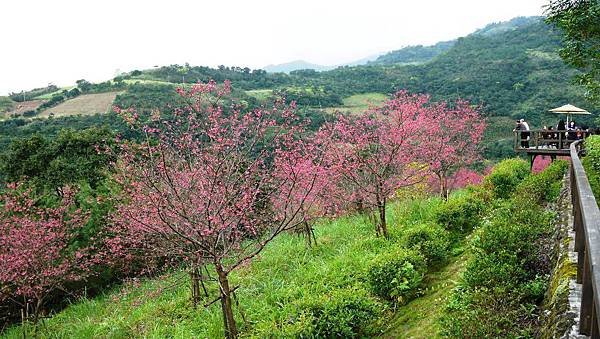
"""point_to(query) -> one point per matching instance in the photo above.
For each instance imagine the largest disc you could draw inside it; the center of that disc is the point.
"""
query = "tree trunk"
(382, 220)
(195, 277)
(228, 319)
(309, 233)
(443, 186)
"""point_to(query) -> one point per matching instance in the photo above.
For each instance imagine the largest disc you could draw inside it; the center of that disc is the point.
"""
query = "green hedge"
(343, 313)
(397, 275)
(461, 213)
(507, 274)
(431, 240)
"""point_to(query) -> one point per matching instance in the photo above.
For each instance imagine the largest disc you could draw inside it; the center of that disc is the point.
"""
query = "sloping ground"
(420, 317)
(22, 107)
(285, 274)
(84, 104)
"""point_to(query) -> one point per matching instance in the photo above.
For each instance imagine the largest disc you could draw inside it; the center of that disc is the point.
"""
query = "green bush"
(542, 187)
(485, 313)
(592, 149)
(431, 240)
(344, 313)
(495, 269)
(461, 213)
(397, 275)
(506, 176)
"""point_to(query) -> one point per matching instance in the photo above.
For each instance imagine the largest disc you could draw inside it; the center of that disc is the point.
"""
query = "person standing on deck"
(561, 132)
(522, 135)
(525, 135)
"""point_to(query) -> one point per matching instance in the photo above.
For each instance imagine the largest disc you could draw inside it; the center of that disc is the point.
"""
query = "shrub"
(431, 240)
(591, 163)
(485, 313)
(397, 275)
(461, 213)
(506, 176)
(592, 149)
(344, 313)
(542, 187)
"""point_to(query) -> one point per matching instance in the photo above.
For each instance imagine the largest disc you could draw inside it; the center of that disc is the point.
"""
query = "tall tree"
(208, 186)
(455, 135)
(376, 153)
(580, 22)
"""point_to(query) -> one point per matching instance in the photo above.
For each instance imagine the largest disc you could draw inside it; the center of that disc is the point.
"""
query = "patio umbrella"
(568, 110)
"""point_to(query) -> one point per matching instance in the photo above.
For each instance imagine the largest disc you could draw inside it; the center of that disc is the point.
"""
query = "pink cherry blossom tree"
(36, 258)
(214, 185)
(375, 154)
(455, 135)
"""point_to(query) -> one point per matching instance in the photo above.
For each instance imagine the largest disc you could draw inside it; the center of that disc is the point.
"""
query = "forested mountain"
(413, 54)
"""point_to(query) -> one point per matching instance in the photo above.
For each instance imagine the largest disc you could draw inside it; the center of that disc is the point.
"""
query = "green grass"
(261, 94)
(286, 272)
(359, 103)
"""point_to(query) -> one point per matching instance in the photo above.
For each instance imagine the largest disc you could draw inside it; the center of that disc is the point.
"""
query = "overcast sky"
(60, 41)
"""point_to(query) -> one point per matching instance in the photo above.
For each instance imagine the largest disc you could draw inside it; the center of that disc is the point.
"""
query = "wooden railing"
(586, 224)
(541, 139)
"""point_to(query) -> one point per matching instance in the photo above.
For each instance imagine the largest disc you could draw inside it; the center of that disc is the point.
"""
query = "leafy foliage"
(578, 20)
(431, 240)
(69, 158)
(397, 275)
(506, 176)
(461, 213)
(346, 313)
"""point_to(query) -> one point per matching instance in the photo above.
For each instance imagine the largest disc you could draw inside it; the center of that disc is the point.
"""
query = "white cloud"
(61, 41)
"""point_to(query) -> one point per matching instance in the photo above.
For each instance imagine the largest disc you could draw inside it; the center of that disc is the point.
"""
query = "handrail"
(546, 139)
(586, 224)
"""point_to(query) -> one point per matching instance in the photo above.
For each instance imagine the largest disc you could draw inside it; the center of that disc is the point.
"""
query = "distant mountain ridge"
(411, 54)
(296, 65)
(421, 54)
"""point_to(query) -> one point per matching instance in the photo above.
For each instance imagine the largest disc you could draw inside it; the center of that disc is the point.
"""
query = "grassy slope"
(285, 272)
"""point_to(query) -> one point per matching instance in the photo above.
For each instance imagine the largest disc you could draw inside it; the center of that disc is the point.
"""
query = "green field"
(359, 103)
(260, 94)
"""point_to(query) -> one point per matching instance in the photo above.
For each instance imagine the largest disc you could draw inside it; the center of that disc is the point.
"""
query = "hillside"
(413, 54)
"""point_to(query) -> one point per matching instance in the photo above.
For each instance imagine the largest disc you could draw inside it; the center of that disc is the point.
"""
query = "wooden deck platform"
(547, 143)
